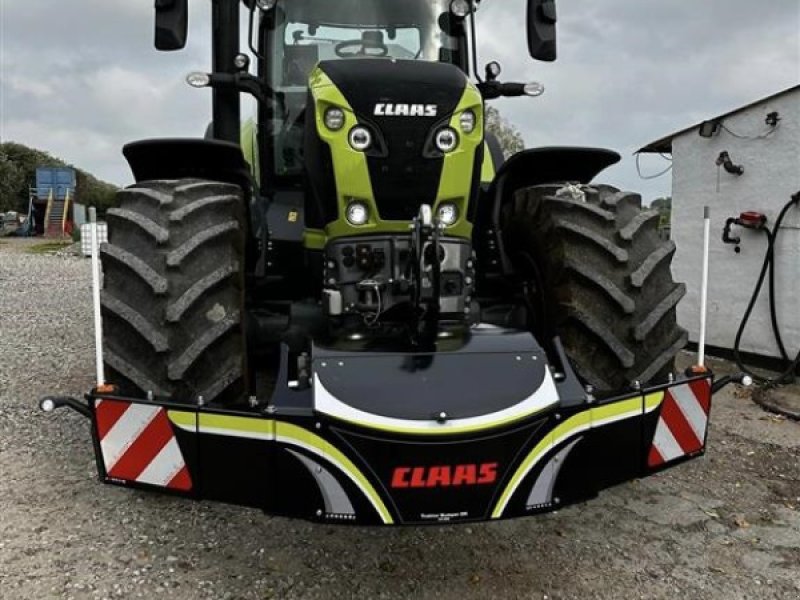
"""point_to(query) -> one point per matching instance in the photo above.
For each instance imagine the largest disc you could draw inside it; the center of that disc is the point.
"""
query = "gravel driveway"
(726, 526)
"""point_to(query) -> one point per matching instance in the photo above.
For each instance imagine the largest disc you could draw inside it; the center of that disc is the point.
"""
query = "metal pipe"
(701, 345)
(51, 403)
(226, 99)
(98, 322)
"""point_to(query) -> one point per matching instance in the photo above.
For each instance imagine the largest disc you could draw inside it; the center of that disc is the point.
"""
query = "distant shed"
(763, 138)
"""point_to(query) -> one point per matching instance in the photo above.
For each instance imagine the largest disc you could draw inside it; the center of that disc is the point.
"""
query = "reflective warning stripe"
(167, 464)
(138, 445)
(682, 424)
(690, 408)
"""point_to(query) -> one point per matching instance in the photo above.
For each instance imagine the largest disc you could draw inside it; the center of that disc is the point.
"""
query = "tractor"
(353, 308)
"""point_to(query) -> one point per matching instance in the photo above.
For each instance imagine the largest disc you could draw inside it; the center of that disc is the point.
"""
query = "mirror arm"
(244, 82)
(490, 89)
(494, 89)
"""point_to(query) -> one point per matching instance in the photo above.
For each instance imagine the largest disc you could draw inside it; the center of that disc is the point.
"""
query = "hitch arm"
(741, 378)
(51, 403)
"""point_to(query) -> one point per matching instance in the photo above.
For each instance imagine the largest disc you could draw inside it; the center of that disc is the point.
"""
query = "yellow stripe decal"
(184, 420)
(292, 434)
(590, 419)
(487, 167)
(217, 424)
(283, 432)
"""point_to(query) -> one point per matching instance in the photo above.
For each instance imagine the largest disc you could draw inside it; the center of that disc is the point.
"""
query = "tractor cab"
(373, 119)
(296, 36)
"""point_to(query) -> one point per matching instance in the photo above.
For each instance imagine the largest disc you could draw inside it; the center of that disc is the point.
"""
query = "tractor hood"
(404, 104)
(398, 88)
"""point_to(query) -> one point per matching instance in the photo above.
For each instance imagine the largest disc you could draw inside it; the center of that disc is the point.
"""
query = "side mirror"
(172, 20)
(542, 29)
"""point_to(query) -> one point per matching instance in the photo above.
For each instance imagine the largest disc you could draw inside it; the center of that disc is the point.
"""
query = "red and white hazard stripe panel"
(683, 422)
(139, 445)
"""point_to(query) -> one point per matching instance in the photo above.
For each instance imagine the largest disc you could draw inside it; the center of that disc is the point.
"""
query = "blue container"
(58, 179)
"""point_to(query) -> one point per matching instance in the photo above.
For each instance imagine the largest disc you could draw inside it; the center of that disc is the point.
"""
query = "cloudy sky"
(80, 78)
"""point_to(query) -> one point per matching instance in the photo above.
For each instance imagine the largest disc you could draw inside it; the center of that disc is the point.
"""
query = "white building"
(768, 150)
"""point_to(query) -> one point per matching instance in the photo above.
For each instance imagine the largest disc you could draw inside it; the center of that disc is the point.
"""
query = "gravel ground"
(726, 526)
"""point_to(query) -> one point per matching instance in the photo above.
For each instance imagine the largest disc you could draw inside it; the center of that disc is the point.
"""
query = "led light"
(534, 89)
(360, 138)
(460, 8)
(47, 405)
(357, 213)
(468, 121)
(446, 139)
(334, 118)
(198, 79)
(448, 213)
(266, 5)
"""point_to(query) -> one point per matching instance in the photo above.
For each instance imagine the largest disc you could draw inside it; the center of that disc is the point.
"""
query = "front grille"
(405, 179)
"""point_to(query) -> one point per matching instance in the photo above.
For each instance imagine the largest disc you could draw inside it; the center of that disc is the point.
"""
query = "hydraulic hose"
(768, 268)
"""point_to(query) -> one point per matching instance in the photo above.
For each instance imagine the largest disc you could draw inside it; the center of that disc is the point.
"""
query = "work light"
(357, 213)
(468, 121)
(446, 139)
(334, 118)
(360, 138)
(266, 5)
(534, 89)
(448, 213)
(198, 79)
(460, 8)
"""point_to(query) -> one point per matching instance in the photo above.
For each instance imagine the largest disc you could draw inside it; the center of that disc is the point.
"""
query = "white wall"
(771, 176)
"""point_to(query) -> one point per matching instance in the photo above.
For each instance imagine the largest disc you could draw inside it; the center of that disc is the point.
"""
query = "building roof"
(664, 145)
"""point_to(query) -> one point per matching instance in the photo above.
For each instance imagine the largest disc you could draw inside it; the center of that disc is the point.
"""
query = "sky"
(81, 78)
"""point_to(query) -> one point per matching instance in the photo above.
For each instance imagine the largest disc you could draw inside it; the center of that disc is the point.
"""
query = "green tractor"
(354, 308)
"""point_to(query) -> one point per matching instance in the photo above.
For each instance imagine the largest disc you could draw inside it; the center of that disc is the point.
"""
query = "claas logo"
(444, 476)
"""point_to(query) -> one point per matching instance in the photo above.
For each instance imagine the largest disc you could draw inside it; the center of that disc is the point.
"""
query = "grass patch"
(47, 247)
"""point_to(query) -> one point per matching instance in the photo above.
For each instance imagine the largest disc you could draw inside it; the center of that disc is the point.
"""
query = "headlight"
(448, 213)
(357, 213)
(446, 139)
(468, 121)
(334, 118)
(360, 138)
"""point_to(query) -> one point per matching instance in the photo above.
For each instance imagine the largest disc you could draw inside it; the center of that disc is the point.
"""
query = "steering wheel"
(364, 45)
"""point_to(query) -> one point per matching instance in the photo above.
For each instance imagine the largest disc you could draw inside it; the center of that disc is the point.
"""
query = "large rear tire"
(602, 273)
(173, 291)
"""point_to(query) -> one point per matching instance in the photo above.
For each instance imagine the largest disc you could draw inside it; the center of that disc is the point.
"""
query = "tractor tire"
(172, 300)
(604, 280)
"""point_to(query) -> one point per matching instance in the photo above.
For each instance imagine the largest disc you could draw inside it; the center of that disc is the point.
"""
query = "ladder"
(56, 216)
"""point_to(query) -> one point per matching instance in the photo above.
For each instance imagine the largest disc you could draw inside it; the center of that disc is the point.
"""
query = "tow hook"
(50, 403)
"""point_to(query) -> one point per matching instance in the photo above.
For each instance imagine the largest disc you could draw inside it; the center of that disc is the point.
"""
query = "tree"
(664, 208)
(12, 179)
(18, 165)
(509, 136)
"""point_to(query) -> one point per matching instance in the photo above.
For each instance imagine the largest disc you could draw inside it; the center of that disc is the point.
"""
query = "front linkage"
(306, 454)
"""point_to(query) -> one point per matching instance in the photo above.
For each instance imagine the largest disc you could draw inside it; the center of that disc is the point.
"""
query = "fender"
(537, 166)
(188, 158)
(555, 164)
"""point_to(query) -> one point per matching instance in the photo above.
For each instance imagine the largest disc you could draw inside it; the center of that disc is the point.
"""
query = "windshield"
(305, 32)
